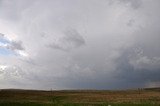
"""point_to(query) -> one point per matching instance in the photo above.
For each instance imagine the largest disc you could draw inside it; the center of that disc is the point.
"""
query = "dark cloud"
(131, 22)
(124, 76)
(136, 76)
(71, 39)
(135, 4)
(1, 35)
(15, 45)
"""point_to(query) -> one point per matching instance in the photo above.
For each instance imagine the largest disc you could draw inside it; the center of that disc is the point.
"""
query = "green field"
(145, 97)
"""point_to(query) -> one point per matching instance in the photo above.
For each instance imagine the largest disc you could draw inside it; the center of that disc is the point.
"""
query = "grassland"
(145, 97)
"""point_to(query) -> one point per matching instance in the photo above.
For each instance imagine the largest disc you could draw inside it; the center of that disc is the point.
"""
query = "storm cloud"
(79, 44)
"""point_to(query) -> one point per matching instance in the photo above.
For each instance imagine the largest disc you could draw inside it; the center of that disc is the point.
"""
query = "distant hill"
(153, 89)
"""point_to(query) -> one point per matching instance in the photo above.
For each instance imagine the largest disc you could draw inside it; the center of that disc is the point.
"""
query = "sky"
(79, 44)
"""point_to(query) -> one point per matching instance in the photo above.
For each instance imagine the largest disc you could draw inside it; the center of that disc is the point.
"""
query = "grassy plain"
(145, 97)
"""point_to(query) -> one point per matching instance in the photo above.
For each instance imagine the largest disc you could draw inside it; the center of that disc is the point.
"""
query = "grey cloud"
(131, 22)
(12, 45)
(15, 45)
(135, 4)
(124, 76)
(71, 39)
(1, 72)
(132, 77)
(13, 10)
(122, 43)
(11, 72)
(1, 35)
(12, 76)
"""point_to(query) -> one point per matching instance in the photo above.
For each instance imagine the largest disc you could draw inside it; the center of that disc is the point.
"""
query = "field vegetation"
(141, 97)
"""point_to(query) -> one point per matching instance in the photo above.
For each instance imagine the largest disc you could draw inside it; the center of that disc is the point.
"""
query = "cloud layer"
(78, 44)
(71, 40)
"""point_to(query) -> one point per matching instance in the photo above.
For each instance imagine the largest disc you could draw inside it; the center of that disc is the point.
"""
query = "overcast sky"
(79, 44)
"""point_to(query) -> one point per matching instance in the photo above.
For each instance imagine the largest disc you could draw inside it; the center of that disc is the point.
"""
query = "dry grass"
(80, 96)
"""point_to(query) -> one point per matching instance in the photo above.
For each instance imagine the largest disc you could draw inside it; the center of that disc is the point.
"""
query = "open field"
(145, 97)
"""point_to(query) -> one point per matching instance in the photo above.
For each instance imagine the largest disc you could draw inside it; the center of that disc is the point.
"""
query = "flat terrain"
(145, 97)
